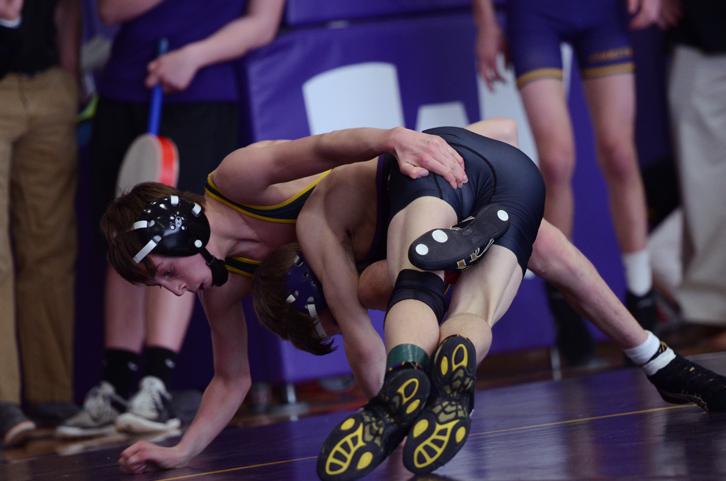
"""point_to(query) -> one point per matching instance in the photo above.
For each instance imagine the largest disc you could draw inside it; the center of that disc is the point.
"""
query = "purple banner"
(313, 11)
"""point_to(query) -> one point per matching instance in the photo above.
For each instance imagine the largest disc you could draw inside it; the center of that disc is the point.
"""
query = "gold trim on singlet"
(284, 212)
(537, 74)
(593, 72)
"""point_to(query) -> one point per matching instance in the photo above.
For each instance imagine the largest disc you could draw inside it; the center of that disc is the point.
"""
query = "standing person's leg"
(612, 106)
(14, 426)
(697, 100)
(167, 318)
(43, 188)
(115, 126)
(549, 118)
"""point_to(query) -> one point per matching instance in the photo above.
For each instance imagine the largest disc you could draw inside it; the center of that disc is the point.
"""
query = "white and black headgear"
(175, 227)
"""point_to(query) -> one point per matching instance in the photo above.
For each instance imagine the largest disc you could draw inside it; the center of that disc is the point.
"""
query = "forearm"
(353, 145)
(368, 366)
(68, 26)
(238, 37)
(117, 11)
(220, 402)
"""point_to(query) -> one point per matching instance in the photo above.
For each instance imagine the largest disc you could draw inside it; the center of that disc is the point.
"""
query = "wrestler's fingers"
(458, 166)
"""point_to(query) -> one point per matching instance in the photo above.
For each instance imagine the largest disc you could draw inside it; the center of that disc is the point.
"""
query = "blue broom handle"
(157, 95)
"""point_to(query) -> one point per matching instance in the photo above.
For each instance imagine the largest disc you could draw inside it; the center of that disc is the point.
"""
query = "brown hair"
(269, 301)
(118, 219)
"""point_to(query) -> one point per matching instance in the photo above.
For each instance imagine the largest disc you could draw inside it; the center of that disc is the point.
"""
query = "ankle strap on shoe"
(410, 354)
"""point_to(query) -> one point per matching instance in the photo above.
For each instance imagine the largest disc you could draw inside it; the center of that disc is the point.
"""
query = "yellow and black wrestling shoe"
(443, 426)
(363, 440)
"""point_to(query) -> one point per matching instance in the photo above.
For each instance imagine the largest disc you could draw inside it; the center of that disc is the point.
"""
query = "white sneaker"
(100, 409)
(149, 410)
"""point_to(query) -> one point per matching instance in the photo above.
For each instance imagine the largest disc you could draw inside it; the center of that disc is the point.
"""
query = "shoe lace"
(98, 401)
(150, 396)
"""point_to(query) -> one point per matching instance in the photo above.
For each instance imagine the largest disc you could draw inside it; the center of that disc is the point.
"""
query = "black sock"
(120, 369)
(160, 362)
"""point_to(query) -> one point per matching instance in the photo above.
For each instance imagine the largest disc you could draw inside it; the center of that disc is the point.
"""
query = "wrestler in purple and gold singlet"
(597, 31)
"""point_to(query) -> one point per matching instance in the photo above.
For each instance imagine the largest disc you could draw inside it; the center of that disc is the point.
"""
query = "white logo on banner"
(368, 95)
(435, 115)
(362, 95)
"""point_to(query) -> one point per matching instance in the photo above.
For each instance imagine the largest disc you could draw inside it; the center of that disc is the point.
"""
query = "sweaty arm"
(326, 247)
(256, 169)
(223, 395)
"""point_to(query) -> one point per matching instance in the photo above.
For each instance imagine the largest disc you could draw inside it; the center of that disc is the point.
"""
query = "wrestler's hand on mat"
(143, 456)
(646, 13)
(175, 70)
(419, 153)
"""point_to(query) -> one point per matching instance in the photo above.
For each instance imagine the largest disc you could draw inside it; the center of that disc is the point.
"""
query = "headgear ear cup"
(305, 291)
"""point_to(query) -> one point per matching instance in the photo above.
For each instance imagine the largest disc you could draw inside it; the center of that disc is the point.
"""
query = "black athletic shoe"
(682, 381)
(15, 428)
(642, 308)
(363, 440)
(443, 426)
(574, 341)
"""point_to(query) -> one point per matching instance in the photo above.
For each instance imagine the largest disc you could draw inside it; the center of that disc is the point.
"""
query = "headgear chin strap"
(175, 227)
(305, 292)
(220, 275)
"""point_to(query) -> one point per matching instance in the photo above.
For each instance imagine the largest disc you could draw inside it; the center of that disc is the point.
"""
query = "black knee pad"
(426, 287)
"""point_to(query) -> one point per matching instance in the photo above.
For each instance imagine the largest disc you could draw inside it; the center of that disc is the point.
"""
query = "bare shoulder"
(352, 182)
(346, 197)
(247, 175)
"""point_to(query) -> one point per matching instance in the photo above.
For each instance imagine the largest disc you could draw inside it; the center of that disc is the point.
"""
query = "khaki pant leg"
(697, 96)
(12, 124)
(43, 188)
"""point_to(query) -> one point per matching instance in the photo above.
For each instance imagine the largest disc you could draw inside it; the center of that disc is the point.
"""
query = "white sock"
(652, 347)
(638, 274)
(642, 353)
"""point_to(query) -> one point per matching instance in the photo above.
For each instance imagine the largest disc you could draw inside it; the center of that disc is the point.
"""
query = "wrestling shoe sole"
(359, 443)
(680, 398)
(436, 436)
